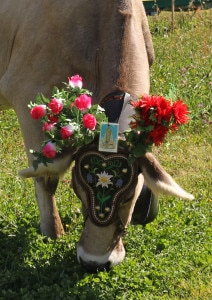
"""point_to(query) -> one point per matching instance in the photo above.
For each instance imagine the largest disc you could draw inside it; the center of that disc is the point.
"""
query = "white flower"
(104, 179)
(101, 215)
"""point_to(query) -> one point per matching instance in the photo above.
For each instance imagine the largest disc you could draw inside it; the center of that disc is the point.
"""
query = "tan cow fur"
(43, 42)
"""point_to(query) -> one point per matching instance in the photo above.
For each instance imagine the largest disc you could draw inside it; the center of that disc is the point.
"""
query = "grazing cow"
(108, 43)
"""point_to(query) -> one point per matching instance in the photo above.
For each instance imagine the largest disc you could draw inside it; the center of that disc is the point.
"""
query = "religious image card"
(108, 139)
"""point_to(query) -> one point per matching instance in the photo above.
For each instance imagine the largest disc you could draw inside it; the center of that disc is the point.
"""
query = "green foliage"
(183, 59)
(170, 258)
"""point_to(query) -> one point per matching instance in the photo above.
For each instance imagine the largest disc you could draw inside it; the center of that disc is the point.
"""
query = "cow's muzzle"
(94, 267)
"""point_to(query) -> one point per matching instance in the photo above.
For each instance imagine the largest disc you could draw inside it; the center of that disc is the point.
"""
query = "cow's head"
(109, 186)
(112, 191)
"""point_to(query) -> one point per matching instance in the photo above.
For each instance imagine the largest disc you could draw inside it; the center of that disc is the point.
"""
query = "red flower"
(49, 150)
(180, 112)
(133, 124)
(53, 119)
(164, 109)
(89, 121)
(174, 127)
(56, 106)
(153, 109)
(38, 111)
(83, 102)
(66, 131)
(146, 102)
(48, 127)
(158, 134)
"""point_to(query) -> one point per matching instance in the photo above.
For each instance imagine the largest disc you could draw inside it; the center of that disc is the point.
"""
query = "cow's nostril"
(108, 266)
(94, 267)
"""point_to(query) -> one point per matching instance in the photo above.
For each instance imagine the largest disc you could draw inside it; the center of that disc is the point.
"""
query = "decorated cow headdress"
(70, 119)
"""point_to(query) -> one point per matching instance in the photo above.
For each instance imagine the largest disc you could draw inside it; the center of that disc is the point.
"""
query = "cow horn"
(158, 180)
(57, 168)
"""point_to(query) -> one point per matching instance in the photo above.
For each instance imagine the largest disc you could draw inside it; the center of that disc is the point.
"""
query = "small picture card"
(108, 139)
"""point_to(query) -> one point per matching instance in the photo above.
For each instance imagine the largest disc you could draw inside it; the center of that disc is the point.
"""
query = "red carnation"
(164, 109)
(146, 102)
(180, 112)
(158, 134)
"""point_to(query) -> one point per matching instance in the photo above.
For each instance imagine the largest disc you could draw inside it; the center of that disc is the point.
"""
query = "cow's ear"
(158, 180)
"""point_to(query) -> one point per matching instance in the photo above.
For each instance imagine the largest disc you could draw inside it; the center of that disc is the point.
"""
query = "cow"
(109, 44)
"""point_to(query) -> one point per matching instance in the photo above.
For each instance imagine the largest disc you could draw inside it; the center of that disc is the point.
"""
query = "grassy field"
(170, 258)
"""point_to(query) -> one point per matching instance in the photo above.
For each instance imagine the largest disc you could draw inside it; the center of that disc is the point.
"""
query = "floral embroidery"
(104, 179)
(107, 177)
(119, 182)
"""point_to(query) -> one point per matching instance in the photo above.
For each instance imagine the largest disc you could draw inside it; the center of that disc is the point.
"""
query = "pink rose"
(38, 111)
(89, 121)
(49, 150)
(75, 81)
(56, 106)
(66, 131)
(83, 102)
(48, 127)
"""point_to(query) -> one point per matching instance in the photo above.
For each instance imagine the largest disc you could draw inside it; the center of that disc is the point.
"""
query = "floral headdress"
(70, 118)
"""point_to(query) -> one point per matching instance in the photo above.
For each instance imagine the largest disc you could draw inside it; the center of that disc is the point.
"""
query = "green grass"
(170, 258)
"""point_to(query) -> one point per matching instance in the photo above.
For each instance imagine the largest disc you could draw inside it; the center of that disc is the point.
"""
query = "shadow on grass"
(33, 268)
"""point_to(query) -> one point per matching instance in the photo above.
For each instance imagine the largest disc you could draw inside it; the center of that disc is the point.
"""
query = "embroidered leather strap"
(108, 180)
